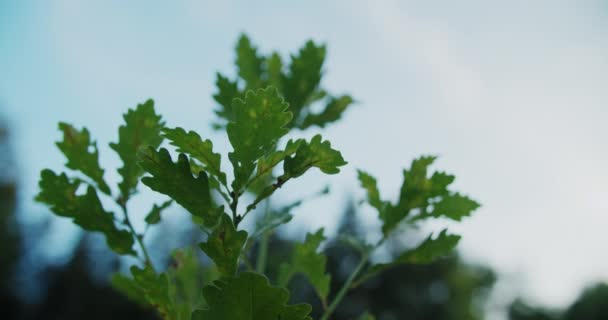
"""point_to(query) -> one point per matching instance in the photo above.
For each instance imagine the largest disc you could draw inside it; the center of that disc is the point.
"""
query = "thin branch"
(139, 240)
(347, 285)
(260, 262)
(265, 194)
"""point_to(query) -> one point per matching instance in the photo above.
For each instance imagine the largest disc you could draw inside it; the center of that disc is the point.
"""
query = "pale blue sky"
(510, 94)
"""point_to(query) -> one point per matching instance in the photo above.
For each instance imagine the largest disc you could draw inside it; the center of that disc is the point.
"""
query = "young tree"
(257, 110)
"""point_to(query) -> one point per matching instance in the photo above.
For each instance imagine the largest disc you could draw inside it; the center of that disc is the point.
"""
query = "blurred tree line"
(446, 290)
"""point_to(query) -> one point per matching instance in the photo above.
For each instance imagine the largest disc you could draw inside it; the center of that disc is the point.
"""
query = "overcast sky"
(510, 94)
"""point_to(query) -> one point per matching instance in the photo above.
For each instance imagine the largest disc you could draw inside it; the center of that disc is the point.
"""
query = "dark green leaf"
(141, 129)
(259, 122)
(82, 154)
(186, 280)
(428, 251)
(274, 218)
(129, 288)
(454, 207)
(224, 246)
(266, 164)
(316, 153)
(306, 260)
(198, 315)
(299, 83)
(59, 193)
(367, 316)
(429, 197)
(153, 217)
(197, 148)
(248, 62)
(249, 296)
(155, 288)
(214, 184)
(226, 92)
(274, 67)
(334, 109)
(176, 181)
(415, 194)
(303, 77)
(431, 249)
(373, 195)
(416, 188)
(439, 183)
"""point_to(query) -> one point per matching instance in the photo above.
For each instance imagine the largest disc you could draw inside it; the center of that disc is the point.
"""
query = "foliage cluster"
(269, 99)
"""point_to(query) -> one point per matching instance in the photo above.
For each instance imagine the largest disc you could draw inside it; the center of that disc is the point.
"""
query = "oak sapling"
(257, 110)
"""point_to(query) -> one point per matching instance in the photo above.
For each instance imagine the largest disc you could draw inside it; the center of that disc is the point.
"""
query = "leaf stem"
(233, 207)
(342, 293)
(367, 275)
(139, 240)
(246, 261)
(260, 263)
(267, 192)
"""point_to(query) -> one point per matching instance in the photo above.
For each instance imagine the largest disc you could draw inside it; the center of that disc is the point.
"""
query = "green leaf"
(316, 153)
(197, 148)
(249, 296)
(333, 111)
(153, 217)
(82, 154)
(428, 251)
(260, 120)
(274, 218)
(429, 197)
(128, 287)
(59, 193)
(431, 249)
(416, 188)
(198, 315)
(367, 316)
(155, 288)
(226, 92)
(373, 195)
(224, 246)
(176, 181)
(214, 184)
(454, 207)
(439, 183)
(274, 67)
(416, 192)
(248, 62)
(141, 129)
(303, 77)
(266, 164)
(174, 294)
(306, 260)
(186, 280)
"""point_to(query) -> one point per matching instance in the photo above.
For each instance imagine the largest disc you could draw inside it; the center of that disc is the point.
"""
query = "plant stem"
(267, 192)
(139, 240)
(342, 293)
(233, 207)
(246, 261)
(260, 262)
(368, 275)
